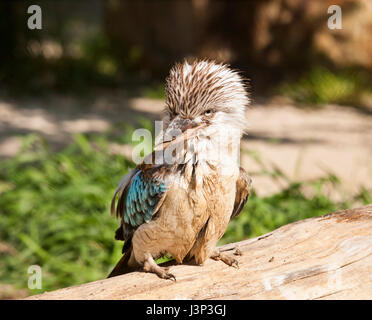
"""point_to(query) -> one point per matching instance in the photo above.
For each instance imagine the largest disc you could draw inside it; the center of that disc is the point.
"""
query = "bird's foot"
(151, 266)
(237, 252)
(218, 255)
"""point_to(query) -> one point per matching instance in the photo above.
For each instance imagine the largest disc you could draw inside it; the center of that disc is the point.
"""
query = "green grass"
(321, 86)
(54, 211)
(262, 215)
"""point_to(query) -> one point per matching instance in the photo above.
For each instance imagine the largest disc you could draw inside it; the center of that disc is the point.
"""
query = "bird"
(181, 206)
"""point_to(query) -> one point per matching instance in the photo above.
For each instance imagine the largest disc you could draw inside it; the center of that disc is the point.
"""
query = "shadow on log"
(327, 257)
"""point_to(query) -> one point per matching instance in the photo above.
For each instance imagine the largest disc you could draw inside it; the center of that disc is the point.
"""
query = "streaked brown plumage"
(182, 207)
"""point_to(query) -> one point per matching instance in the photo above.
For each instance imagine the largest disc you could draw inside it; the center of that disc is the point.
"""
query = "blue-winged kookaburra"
(180, 199)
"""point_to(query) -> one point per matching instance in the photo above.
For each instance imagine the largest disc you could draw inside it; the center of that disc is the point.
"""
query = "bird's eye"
(208, 112)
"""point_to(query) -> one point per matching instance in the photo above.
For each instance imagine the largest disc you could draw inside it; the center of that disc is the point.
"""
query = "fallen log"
(327, 257)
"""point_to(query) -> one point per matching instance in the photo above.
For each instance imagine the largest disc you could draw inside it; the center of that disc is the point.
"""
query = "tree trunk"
(328, 257)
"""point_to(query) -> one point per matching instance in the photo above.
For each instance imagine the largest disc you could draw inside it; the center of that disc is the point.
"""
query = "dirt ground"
(303, 143)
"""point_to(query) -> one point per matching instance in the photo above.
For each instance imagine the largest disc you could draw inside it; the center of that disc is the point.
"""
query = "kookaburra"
(180, 199)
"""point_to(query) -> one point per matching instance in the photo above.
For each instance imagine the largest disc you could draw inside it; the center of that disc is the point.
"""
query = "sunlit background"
(72, 93)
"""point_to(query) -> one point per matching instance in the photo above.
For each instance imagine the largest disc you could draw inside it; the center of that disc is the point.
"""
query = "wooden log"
(327, 257)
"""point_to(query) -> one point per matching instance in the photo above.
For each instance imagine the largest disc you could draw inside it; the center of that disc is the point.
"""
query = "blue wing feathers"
(141, 199)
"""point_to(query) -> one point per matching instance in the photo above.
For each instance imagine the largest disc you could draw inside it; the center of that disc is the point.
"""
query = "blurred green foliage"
(321, 86)
(54, 210)
(77, 66)
(154, 91)
(262, 215)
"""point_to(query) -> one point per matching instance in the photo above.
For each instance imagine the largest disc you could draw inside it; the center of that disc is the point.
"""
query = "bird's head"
(204, 96)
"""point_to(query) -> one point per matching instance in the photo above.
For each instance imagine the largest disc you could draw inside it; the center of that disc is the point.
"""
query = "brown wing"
(243, 189)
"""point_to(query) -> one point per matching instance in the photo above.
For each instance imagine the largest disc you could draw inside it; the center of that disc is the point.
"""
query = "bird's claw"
(164, 274)
(235, 263)
(230, 261)
(237, 252)
(170, 276)
(167, 275)
(151, 266)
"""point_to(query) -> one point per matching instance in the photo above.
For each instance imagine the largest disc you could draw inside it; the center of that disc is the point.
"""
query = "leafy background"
(54, 211)
(55, 193)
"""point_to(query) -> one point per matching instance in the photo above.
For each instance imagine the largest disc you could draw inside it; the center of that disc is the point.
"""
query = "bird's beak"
(178, 126)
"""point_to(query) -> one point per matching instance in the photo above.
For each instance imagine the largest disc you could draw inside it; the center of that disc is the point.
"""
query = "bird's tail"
(123, 266)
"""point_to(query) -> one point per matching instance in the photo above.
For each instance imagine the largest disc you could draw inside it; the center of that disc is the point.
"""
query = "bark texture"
(327, 257)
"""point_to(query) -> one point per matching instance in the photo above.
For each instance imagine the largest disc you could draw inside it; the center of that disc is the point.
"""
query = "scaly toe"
(170, 276)
(235, 264)
(237, 252)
